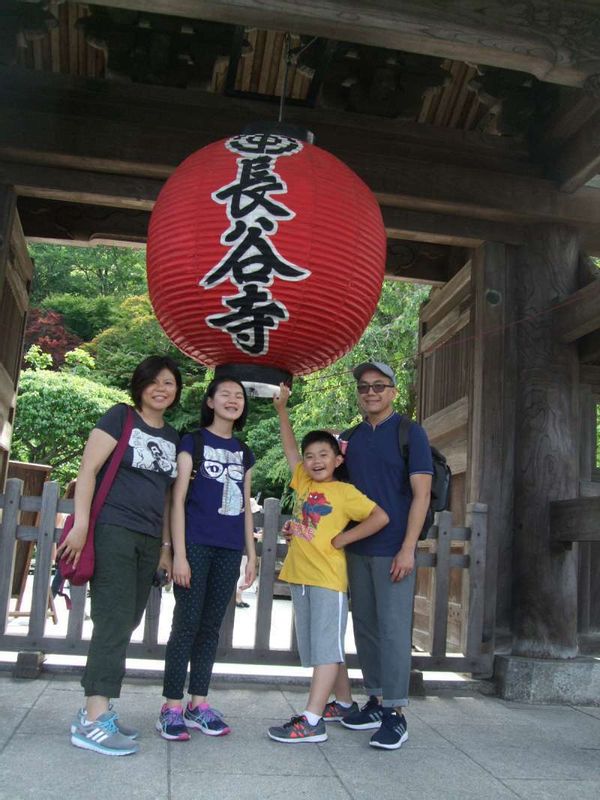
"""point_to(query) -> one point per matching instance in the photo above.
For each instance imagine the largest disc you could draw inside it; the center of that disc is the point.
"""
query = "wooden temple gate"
(478, 130)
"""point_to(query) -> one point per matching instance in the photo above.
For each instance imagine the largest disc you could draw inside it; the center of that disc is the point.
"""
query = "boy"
(315, 567)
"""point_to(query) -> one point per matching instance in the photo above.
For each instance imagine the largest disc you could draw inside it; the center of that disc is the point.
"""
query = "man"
(381, 569)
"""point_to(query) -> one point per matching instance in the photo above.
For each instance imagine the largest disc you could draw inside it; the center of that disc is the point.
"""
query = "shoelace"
(371, 703)
(211, 714)
(173, 716)
(294, 721)
(109, 725)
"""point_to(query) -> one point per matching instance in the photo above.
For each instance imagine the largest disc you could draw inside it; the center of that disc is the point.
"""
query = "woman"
(132, 538)
(211, 522)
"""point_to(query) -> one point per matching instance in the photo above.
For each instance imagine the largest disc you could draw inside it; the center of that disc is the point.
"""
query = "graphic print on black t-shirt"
(227, 468)
(152, 452)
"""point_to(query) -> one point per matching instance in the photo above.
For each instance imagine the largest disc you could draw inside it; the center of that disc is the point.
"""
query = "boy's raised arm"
(288, 440)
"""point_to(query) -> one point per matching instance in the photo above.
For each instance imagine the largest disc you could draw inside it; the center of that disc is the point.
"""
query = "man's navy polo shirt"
(376, 467)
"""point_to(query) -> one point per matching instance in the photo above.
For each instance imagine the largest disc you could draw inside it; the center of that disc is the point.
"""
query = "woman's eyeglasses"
(378, 388)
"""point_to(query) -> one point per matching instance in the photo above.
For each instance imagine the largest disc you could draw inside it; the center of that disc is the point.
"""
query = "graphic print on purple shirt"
(214, 512)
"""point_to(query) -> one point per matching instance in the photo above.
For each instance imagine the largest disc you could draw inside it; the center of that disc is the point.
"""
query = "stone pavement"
(460, 747)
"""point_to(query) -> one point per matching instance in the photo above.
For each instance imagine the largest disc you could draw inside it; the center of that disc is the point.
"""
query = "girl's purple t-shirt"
(214, 512)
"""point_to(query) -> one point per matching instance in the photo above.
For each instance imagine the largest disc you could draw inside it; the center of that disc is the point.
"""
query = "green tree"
(136, 334)
(84, 316)
(55, 414)
(88, 271)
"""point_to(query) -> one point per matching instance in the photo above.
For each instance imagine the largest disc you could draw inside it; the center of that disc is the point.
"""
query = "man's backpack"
(198, 454)
(441, 479)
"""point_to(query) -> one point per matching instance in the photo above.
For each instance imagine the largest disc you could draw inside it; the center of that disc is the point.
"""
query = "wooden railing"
(271, 549)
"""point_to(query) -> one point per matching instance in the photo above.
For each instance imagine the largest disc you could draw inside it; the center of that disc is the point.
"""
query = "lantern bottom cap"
(258, 380)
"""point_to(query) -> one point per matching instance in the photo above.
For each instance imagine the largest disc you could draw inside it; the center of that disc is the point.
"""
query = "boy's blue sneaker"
(393, 731)
(206, 719)
(297, 730)
(335, 712)
(102, 736)
(130, 733)
(170, 724)
(368, 717)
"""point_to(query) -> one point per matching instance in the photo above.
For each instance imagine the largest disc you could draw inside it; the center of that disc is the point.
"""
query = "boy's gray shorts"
(320, 617)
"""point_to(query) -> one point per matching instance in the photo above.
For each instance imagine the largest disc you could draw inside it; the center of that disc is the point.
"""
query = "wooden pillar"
(492, 424)
(546, 457)
(7, 388)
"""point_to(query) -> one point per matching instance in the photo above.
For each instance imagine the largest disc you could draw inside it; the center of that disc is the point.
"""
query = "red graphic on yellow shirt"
(315, 506)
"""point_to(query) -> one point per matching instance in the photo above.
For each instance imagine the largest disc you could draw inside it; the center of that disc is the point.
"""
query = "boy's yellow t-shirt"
(321, 511)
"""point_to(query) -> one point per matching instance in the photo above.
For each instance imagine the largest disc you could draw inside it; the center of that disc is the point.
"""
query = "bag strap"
(197, 452)
(349, 432)
(403, 438)
(114, 463)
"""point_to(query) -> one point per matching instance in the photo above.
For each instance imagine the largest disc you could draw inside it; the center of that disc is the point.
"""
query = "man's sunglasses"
(378, 388)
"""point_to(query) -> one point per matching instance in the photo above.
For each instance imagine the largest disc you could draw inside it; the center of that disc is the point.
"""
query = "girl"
(131, 539)
(211, 522)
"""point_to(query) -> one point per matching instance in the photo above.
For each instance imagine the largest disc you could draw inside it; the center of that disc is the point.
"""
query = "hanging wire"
(291, 56)
(288, 61)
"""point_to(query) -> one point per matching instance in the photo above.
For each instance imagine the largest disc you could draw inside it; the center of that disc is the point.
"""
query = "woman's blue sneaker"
(130, 733)
(393, 731)
(102, 736)
(206, 719)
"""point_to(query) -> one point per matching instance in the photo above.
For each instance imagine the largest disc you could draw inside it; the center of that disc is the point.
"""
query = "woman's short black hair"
(207, 414)
(312, 437)
(145, 373)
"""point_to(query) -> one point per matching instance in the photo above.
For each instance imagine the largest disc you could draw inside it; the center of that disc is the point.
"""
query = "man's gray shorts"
(320, 617)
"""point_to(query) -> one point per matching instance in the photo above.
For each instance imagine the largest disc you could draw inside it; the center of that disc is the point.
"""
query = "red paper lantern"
(265, 250)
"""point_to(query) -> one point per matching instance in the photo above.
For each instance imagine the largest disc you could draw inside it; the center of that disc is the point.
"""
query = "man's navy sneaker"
(393, 731)
(368, 717)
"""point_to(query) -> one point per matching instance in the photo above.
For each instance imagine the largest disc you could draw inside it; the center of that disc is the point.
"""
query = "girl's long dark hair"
(207, 414)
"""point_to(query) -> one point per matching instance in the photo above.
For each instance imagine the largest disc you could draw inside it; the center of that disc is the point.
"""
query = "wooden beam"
(575, 520)
(447, 421)
(445, 329)
(78, 186)
(589, 348)
(579, 160)
(442, 301)
(71, 223)
(414, 185)
(212, 116)
(590, 375)
(578, 314)
(445, 229)
(575, 110)
(562, 49)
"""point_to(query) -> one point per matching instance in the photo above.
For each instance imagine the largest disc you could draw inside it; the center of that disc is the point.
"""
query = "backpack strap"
(247, 455)
(197, 452)
(349, 432)
(403, 439)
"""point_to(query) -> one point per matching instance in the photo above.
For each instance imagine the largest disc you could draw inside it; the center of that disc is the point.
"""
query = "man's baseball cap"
(376, 365)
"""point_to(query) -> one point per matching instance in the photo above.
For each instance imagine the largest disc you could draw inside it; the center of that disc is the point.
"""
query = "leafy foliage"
(135, 334)
(84, 316)
(55, 414)
(35, 358)
(79, 362)
(87, 271)
(47, 330)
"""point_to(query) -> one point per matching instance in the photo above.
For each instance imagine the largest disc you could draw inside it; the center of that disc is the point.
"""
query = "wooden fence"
(271, 549)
